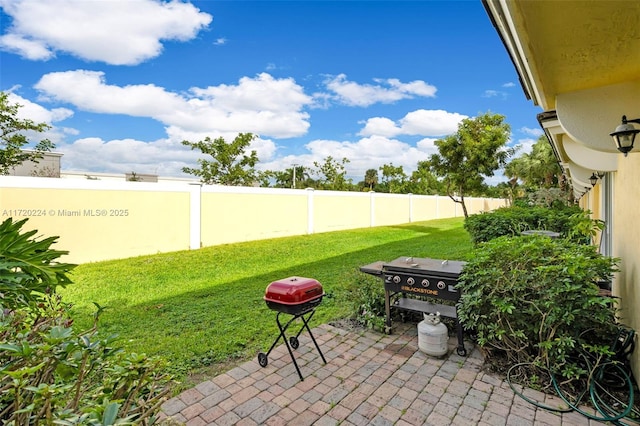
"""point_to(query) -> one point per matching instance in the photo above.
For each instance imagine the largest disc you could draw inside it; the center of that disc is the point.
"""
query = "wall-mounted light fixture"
(625, 134)
(593, 179)
(600, 175)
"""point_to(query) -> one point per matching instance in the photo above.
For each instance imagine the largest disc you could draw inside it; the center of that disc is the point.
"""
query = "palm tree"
(371, 178)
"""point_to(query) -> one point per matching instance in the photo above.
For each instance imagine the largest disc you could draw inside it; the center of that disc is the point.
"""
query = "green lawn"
(204, 307)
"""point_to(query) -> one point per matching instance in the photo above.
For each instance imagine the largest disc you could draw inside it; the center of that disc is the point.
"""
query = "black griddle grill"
(415, 276)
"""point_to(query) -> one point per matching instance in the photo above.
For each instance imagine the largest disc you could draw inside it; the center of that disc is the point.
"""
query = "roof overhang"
(580, 62)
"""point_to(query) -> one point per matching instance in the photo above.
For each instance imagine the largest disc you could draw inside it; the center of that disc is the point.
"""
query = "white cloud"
(509, 84)
(114, 32)
(38, 114)
(122, 156)
(428, 146)
(526, 146)
(368, 153)
(220, 41)
(261, 105)
(381, 126)
(537, 132)
(364, 154)
(431, 122)
(387, 91)
(492, 94)
(28, 49)
(165, 157)
(420, 122)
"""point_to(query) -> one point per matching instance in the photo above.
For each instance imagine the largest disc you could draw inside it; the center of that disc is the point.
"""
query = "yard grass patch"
(204, 307)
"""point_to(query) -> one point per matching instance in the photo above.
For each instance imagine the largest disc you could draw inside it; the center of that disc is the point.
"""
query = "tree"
(332, 174)
(538, 169)
(423, 181)
(474, 152)
(371, 178)
(294, 177)
(230, 165)
(393, 178)
(299, 176)
(13, 139)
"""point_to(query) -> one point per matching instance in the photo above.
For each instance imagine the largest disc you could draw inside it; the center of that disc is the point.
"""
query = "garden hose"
(613, 374)
(609, 414)
(529, 400)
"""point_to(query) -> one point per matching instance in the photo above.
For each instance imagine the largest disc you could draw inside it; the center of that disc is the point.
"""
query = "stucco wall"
(626, 244)
(100, 220)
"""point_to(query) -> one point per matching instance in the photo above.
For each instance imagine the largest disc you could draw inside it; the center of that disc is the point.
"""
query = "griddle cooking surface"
(421, 265)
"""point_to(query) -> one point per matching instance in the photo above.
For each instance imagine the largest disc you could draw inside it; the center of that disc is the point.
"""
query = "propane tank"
(433, 335)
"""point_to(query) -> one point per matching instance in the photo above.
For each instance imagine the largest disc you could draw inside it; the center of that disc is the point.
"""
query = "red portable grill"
(296, 296)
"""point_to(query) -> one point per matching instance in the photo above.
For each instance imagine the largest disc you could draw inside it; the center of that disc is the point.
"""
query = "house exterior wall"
(625, 230)
(47, 166)
(626, 244)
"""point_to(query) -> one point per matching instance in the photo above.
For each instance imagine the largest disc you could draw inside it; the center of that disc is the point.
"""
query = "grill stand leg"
(263, 358)
(387, 311)
(461, 350)
(286, 342)
(306, 325)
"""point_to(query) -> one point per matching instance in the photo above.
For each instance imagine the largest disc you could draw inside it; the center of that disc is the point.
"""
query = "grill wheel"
(262, 359)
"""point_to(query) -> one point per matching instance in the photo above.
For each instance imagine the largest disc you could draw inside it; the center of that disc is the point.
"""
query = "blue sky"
(122, 83)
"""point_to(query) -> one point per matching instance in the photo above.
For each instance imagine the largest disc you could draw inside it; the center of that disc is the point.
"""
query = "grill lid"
(419, 265)
(293, 291)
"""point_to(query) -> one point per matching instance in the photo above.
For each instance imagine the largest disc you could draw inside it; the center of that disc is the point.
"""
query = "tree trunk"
(464, 207)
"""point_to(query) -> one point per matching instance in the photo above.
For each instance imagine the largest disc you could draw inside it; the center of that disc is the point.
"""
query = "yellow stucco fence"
(101, 220)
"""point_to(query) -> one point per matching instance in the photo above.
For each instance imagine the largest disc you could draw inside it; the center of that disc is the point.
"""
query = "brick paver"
(369, 379)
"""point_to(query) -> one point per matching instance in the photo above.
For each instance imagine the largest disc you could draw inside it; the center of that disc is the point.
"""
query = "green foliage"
(423, 181)
(366, 294)
(229, 165)
(538, 169)
(535, 300)
(28, 266)
(547, 197)
(332, 175)
(294, 177)
(393, 179)
(370, 179)
(583, 228)
(513, 220)
(52, 374)
(474, 152)
(12, 138)
(49, 373)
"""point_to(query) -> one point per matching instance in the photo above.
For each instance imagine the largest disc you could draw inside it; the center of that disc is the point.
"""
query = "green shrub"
(49, 372)
(535, 299)
(584, 229)
(367, 295)
(511, 221)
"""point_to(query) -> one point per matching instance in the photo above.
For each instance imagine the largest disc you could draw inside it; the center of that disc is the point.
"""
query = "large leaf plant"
(29, 268)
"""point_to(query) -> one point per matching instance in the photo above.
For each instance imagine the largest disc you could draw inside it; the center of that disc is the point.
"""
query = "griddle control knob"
(397, 279)
(411, 281)
(425, 283)
(441, 285)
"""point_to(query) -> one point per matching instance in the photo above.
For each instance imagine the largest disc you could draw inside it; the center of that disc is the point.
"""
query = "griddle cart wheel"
(262, 359)
(293, 341)
(461, 351)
